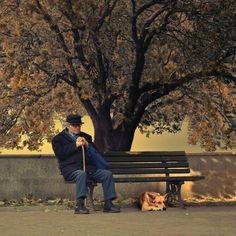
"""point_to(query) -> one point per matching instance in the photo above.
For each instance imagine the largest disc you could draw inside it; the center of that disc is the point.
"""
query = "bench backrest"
(147, 162)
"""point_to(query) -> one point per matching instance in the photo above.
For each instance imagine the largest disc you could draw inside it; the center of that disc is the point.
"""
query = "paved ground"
(57, 221)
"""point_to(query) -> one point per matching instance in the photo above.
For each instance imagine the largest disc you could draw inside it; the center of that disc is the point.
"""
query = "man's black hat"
(74, 119)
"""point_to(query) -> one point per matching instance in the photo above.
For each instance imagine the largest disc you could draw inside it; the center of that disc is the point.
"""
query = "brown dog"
(152, 201)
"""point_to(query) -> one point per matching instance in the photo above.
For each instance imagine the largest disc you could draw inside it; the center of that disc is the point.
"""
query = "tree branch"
(103, 72)
(70, 15)
(151, 92)
(62, 76)
(7, 126)
(141, 48)
(148, 5)
(54, 27)
(107, 11)
(134, 23)
(90, 109)
(148, 36)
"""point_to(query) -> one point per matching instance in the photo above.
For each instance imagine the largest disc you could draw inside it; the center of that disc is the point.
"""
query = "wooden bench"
(135, 167)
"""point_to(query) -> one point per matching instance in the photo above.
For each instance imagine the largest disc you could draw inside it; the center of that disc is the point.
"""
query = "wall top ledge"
(27, 156)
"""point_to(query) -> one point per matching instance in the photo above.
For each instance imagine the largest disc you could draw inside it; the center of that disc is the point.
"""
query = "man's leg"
(105, 177)
(80, 178)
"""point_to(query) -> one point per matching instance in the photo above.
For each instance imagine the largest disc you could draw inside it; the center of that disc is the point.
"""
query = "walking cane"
(84, 169)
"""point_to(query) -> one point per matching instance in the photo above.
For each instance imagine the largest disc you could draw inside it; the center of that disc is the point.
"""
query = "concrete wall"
(39, 175)
(219, 170)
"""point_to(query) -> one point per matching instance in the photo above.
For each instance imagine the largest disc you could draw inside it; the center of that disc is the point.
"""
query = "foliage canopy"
(149, 64)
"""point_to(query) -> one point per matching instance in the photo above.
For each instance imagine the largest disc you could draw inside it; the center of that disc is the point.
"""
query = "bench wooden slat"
(157, 179)
(150, 171)
(146, 159)
(132, 165)
(143, 154)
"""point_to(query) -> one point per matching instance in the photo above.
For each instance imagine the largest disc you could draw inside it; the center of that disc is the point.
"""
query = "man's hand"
(81, 141)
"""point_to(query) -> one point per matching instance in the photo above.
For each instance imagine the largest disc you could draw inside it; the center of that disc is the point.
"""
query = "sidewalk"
(58, 221)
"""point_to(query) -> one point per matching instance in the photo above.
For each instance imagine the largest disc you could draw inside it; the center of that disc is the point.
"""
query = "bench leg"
(171, 197)
(174, 193)
(90, 195)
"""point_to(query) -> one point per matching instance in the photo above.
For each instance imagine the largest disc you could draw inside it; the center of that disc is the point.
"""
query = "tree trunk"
(107, 139)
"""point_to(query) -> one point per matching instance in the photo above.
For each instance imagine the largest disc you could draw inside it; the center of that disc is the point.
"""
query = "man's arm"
(63, 151)
(90, 141)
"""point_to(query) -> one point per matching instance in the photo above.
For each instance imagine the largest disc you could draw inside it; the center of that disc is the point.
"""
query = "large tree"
(149, 64)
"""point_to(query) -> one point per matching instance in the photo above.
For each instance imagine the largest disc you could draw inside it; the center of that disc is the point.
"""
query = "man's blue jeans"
(101, 176)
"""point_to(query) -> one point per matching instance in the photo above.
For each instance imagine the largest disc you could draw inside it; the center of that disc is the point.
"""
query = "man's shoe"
(112, 209)
(80, 207)
(81, 210)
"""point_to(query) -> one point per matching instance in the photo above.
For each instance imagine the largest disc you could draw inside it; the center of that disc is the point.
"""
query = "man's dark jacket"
(69, 156)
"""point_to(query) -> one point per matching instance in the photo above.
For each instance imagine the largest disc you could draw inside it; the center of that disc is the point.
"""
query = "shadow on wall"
(220, 176)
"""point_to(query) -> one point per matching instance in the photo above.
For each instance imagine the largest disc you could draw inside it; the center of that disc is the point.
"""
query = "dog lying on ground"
(152, 201)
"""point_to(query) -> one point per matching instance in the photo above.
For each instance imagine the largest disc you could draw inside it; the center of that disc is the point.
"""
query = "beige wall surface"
(39, 175)
(220, 175)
